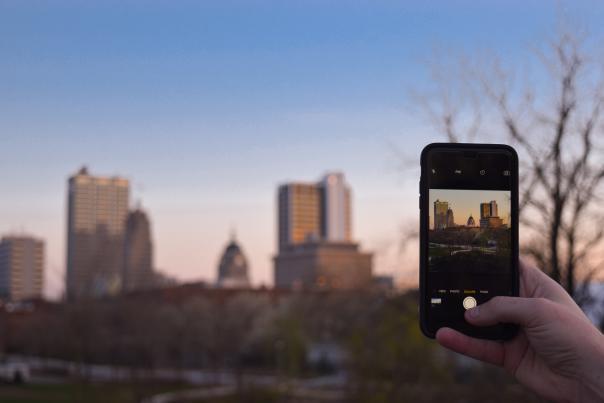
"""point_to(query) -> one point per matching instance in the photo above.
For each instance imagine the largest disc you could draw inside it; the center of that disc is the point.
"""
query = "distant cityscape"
(444, 217)
(110, 249)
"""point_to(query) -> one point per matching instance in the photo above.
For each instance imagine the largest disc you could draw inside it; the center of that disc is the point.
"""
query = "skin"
(557, 352)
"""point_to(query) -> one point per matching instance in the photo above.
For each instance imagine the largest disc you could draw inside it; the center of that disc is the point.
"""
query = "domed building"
(233, 268)
(471, 222)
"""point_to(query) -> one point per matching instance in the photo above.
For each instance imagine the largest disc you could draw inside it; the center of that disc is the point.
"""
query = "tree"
(557, 127)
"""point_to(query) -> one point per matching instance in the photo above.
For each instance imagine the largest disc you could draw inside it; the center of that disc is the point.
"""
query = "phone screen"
(470, 248)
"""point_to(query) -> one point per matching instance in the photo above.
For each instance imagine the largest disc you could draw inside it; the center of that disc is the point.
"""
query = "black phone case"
(509, 330)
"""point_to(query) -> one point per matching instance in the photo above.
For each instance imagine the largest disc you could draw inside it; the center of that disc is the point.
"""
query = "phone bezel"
(509, 330)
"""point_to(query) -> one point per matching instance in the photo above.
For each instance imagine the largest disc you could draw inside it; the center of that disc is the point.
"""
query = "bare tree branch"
(559, 139)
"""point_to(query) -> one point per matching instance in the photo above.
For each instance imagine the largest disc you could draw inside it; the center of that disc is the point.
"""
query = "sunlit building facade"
(299, 215)
(489, 217)
(440, 214)
(96, 221)
(315, 237)
(336, 223)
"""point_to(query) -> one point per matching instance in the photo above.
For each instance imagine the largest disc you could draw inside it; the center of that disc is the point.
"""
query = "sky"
(466, 203)
(207, 106)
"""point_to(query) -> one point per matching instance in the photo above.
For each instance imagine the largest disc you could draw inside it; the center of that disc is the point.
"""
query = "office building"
(138, 253)
(489, 217)
(336, 225)
(96, 221)
(323, 265)
(491, 222)
(299, 213)
(233, 267)
(450, 218)
(21, 268)
(440, 214)
(489, 209)
(315, 237)
(494, 211)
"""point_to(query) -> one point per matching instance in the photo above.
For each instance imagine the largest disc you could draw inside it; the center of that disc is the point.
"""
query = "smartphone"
(468, 234)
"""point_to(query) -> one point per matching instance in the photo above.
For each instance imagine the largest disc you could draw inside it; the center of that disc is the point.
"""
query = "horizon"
(207, 108)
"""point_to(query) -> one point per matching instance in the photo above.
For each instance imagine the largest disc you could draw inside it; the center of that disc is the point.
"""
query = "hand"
(557, 352)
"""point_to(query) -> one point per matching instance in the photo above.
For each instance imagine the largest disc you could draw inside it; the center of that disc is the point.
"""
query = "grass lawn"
(84, 392)
(252, 395)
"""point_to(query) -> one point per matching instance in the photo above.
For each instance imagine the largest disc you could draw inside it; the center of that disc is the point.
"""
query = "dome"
(471, 222)
(233, 268)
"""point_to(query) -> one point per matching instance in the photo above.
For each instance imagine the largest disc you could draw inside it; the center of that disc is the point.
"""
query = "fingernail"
(474, 312)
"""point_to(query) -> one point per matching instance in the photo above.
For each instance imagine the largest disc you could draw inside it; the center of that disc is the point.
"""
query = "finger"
(521, 311)
(483, 350)
(536, 284)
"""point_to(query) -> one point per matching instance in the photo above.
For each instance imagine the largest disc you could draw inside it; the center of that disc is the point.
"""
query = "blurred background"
(217, 201)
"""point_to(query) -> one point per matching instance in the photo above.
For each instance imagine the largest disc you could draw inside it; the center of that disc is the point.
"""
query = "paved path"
(323, 389)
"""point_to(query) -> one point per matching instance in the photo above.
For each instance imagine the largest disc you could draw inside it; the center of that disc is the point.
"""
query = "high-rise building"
(450, 218)
(489, 215)
(97, 211)
(336, 224)
(233, 267)
(494, 211)
(138, 270)
(491, 222)
(315, 237)
(440, 214)
(323, 265)
(21, 268)
(299, 213)
(489, 209)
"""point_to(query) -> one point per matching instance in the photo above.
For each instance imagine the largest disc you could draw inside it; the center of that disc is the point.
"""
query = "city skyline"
(465, 203)
(207, 115)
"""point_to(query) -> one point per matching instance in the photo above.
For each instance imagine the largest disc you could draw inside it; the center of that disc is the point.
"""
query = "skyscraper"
(336, 224)
(489, 217)
(21, 268)
(315, 211)
(97, 211)
(440, 214)
(494, 211)
(315, 237)
(138, 252)
(299, 213)
(450, 218)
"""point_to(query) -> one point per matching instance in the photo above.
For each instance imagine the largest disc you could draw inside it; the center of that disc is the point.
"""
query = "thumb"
(520, 311)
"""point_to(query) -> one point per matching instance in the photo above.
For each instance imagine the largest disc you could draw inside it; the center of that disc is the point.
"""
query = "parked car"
(14, 371)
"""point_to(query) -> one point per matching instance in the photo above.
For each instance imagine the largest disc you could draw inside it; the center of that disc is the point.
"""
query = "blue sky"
(207, 106)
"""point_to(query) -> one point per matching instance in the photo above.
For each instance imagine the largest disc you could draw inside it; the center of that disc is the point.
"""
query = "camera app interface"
(470, 234)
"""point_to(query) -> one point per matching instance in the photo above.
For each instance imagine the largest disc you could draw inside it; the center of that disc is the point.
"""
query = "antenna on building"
(233, 233)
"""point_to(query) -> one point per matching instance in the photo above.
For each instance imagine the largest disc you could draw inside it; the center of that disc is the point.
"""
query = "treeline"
(386, 355)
